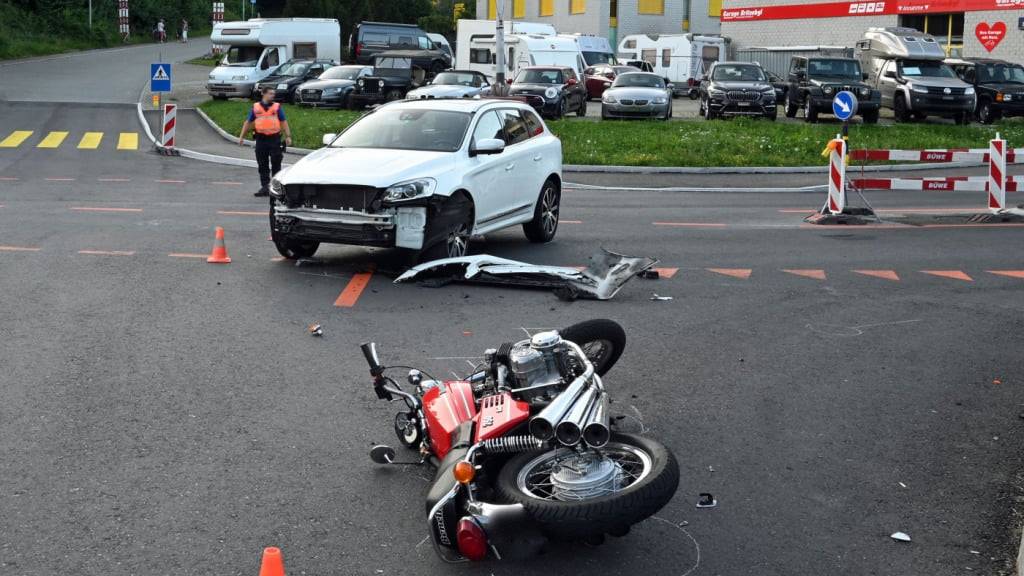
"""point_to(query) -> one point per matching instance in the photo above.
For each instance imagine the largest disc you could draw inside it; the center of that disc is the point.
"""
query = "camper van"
(255, 48)
(595, 49)
(525, 50)
(907, 67)
(681, 58)
(469, 30)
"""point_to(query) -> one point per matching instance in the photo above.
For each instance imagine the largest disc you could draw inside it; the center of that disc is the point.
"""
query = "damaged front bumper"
(601, 280)
(401, 227)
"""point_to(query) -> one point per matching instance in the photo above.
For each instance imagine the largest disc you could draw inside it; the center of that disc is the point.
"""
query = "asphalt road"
(163, 415)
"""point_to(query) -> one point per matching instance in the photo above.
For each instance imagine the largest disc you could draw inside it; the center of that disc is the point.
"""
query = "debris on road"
(900, 536)
(649, 275)
(601, 280)
(706, 500)
(316, 330)
(660, 298)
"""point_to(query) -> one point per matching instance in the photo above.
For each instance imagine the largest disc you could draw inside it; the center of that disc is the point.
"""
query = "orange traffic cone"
(273, 564)
(220, 252)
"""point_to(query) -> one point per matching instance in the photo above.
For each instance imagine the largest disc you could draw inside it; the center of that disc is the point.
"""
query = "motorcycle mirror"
(382, 454)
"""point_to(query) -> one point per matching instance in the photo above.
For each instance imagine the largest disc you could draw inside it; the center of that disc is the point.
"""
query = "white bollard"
(837, 177)
(997, 174)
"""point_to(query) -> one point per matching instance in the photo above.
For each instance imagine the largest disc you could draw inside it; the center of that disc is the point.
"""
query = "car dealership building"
(969, 28)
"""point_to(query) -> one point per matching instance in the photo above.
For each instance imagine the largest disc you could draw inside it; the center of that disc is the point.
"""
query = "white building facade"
(612, 19)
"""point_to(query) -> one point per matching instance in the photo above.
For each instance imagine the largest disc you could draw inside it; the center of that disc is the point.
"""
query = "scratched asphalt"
(163, 415)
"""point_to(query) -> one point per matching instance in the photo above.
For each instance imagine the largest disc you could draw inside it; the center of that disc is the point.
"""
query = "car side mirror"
(487, 146)
(890, 74)
(328, 138)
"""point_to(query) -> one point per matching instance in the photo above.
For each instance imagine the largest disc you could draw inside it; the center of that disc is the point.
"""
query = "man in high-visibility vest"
(267, 119)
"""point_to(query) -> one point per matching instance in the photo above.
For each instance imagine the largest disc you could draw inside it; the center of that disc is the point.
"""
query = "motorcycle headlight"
(551, 93)
(919, 89)
(276, 188)
(828, 90)
(608, 98)
(865, 92)
(969, 91)
(410, 190)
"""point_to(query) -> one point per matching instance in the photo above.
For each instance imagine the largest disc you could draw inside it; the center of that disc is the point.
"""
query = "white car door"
(486, 173)
(522, 179)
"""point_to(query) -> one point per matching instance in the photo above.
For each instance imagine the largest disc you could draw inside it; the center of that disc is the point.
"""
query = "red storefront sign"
(864, 8)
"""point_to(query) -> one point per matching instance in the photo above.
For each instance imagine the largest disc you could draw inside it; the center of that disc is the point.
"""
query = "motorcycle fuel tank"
(499, 414)
(445, 407)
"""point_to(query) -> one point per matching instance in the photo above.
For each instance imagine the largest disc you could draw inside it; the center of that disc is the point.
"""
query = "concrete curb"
(227, 136)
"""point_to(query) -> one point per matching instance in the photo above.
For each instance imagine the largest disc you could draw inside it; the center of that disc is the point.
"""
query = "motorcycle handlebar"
(370, 353)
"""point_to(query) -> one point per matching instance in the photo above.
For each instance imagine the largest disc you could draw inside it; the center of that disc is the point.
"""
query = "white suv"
(424, 175)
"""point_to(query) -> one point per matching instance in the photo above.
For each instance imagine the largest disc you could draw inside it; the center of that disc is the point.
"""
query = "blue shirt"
(280, 112)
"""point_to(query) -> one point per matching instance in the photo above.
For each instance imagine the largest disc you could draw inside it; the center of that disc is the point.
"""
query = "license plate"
(947, 97)
(744, 104)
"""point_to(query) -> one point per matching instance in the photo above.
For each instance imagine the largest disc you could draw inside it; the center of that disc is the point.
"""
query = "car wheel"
(289, 248)
(870, 116)
(810, 112)
(920, 116)
(708, 113)
(604, 113)
(899, 109)
(791, 106)
(582, 111)
(986, 115)
(450, 229)
(563, 109)
(545, 216)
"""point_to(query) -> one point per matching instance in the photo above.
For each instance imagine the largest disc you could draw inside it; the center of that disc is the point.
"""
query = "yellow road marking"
(90, 141)
(128, 141)
(15, 139)
(53, 140)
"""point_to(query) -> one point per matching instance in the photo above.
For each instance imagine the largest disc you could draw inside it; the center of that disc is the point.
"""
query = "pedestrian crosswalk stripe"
(128, 141)
(91, 140)
(53, 140)
(15, 139)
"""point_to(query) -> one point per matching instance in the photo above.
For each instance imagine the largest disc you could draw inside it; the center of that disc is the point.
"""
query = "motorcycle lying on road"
(523, 447)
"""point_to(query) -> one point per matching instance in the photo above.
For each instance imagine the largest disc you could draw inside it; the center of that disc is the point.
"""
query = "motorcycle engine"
(538, 366)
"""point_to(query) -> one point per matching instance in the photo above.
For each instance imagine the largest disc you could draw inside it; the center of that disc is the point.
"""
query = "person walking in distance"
(161, 31)
(268, 121)
(184, 31)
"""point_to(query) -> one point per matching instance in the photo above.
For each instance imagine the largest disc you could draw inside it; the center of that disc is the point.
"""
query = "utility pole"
(90, 14)
(500, 87)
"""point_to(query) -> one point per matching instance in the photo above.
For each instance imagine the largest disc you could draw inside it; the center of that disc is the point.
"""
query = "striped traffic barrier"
(170, 119)
(836, 176)
(1014, 156)
(997, 174)
(951, 184)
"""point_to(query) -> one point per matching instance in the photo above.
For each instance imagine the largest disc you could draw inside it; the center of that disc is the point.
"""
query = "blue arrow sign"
(844, 105)
(160, 77)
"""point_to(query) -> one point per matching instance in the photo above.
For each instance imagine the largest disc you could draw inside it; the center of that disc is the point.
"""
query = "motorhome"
(255, 48)
(525, 50)
(595, 49)
(681, 58)
(907, 67)
(469, 30)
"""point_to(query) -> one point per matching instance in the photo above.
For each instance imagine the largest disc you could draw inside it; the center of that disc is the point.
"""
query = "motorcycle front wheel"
(579, 496)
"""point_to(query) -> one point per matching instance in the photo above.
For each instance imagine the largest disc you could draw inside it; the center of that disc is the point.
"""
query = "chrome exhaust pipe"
(596, 432)
(542, 425)
(570, 430)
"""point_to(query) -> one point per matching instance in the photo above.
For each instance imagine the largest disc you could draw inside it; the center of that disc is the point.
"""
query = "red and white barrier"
(170, 119)
(997, 174)
(218, 17)
(1015, 156)
(952, 184)
(837, 176)
(122, 19)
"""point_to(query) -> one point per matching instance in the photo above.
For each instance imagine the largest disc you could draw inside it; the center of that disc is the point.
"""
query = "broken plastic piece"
(316, 330)
(900, 536)
(650, 275)
(706, 500)
(660, 298)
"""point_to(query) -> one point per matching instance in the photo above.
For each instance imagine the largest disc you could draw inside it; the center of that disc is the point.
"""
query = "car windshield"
(926, 69)
(407, 129)
(837, 68)
(595, 58)
(539, 76)
(242, 56)
(639, 80)
(1005, 73)
(738, 73)
(457, 79)
(292, 69)
(341, 73)
(625, 69)
(392, 63)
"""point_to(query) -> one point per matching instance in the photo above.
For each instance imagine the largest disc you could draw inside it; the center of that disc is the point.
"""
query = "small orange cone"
(220, 252)
(273, 564)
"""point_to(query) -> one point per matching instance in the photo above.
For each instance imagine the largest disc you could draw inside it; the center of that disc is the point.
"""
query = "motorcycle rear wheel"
(601, 340)
(650, 475)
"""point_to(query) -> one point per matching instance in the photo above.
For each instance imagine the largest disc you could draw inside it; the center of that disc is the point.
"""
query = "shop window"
(651, 7)
(577, 6)
(715, 8)
(547, 7)
(519, 8)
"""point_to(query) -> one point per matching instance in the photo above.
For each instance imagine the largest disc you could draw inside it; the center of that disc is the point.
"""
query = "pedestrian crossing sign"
(160, 77)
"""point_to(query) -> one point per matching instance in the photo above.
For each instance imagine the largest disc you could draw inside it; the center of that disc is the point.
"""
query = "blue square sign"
(160, 77)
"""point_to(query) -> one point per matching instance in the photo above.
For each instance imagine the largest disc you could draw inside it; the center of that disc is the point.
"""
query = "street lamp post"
(500, 88)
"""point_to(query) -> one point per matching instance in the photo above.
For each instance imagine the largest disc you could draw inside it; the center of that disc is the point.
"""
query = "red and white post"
(170, 119)
(122, 20)
(836, 177)
(997, 174)
(217, 17)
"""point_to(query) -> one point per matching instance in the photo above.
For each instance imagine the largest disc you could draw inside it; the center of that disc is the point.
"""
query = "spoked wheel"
(408, 430)
(581, 494)
(602, 342)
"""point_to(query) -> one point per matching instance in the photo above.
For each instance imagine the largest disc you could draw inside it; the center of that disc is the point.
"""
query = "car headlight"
(1007, 97)
(609, 98)
(212, 77)
(969, 91)
(332, 90)
(276, 188)
(282, 86)
(919, 89)
(362, 82)
(410, 190)
(828, 90)
(865, 92)
(551, 93)
(607, 84)
(660, 100)
(236, 78)
(716, 93)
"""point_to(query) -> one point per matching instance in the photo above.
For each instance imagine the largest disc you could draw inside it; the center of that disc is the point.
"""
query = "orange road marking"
(60, 179)
(742, 273)
(953, 274)
(187, 255)
(240, 213)
(19, 249)
(571, 221)
(113, 179)
(8, 179)
(691, 224)
(106, 252)
(100, 209)
(170, 181)
(815, 274)
(1010, 273)
(227, 183)
(666, 272)
(350, 295)
(883, 274)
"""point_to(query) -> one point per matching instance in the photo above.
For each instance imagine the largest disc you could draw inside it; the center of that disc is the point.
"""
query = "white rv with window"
(470, 30)
(681, 58)
(255, 48)
(595, 49)
(526, 50)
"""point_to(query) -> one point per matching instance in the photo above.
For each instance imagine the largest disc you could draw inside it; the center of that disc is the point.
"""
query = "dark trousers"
(268, 158)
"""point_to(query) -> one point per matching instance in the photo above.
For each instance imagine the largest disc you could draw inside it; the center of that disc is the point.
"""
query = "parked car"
(601, 76)
(554, 91)
(394, 75)
(814, 83)
(780, 84)
(998, 85)
(333, 88)
(371, 38)
(454, 84)
(423, 175)
(637, 95)
(737, 89)
(289, 76)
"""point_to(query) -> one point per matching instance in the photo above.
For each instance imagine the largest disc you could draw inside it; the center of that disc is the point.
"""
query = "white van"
(526, 50)
(469, 30)
(255, 48)
(595, 49)
(681, 58)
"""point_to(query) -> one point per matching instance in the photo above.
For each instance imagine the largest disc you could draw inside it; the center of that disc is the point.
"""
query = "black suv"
(371, 38)
(814, 83)
(999, 86)
(554, 91)
(736, 89)
(394, 74)
(288, 76)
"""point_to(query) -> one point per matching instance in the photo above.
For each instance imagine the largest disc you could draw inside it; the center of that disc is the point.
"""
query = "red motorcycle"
(523, 447)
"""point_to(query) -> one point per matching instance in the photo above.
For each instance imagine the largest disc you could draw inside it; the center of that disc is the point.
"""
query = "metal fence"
(776, 59)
